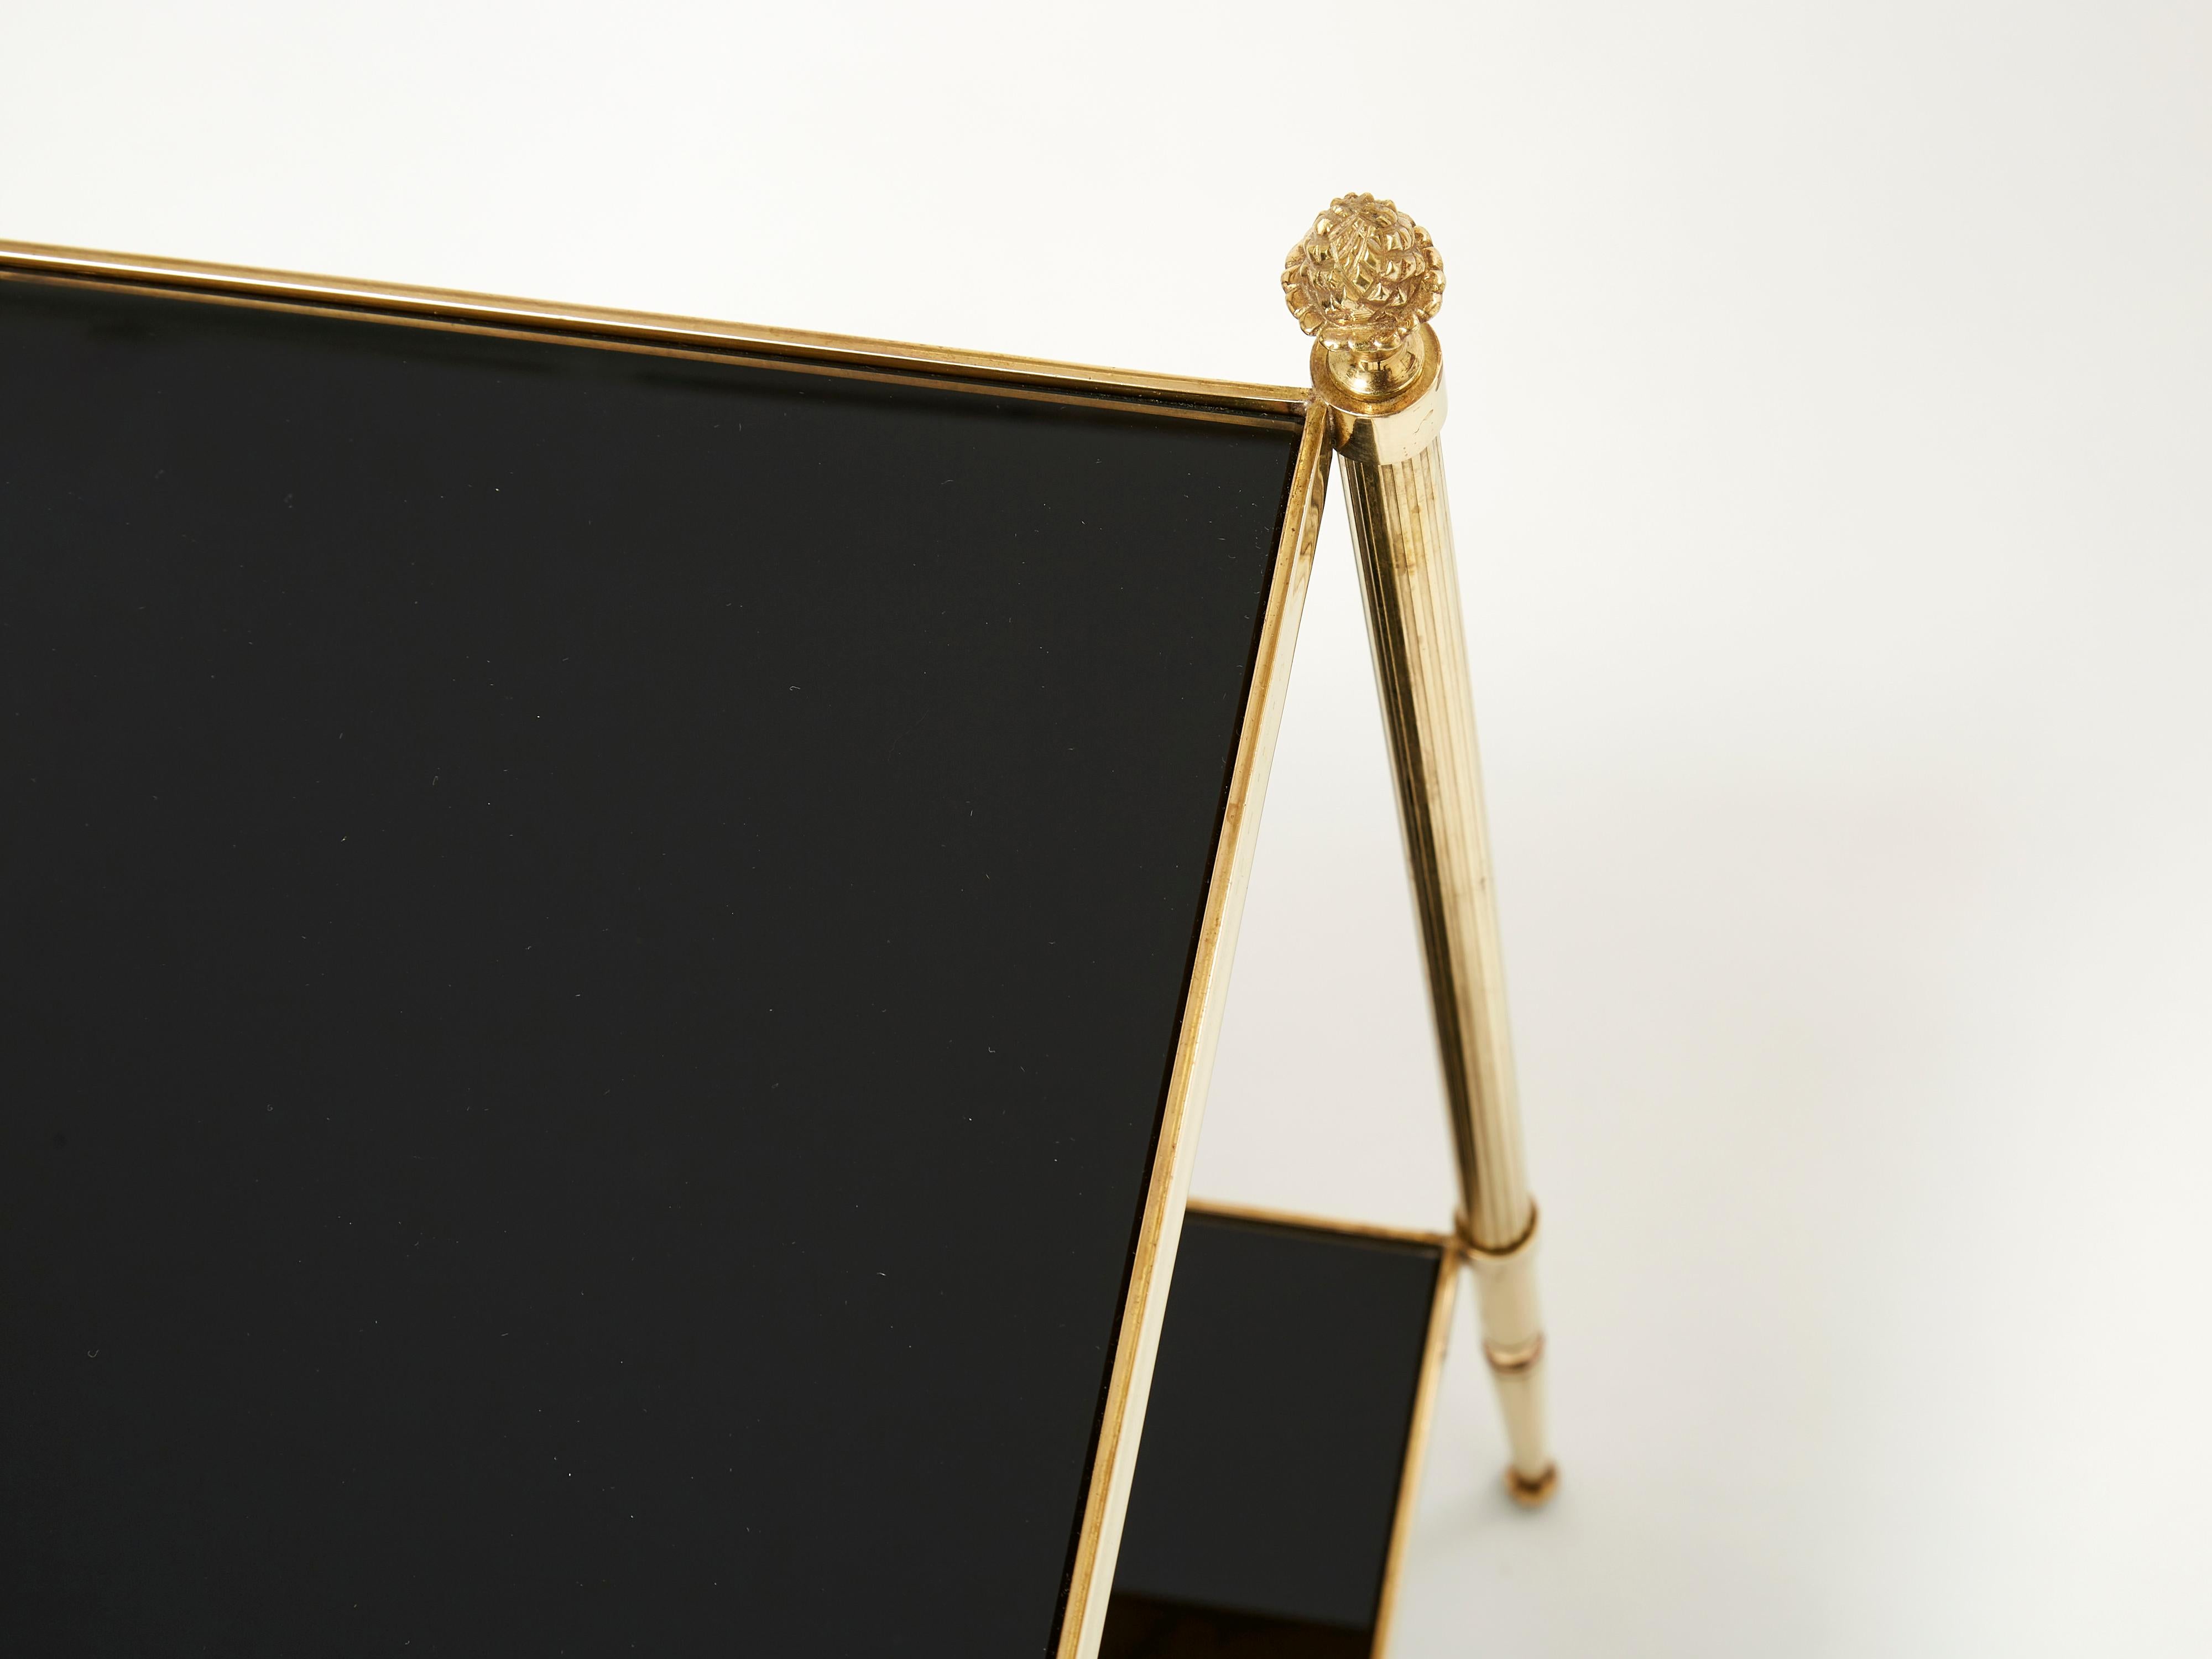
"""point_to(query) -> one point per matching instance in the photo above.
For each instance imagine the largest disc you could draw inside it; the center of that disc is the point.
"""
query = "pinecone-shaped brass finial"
(1364, 278)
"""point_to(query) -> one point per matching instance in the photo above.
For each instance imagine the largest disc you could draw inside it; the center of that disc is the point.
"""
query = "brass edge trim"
(1322, 1224)
(1107, 399)
(1425, 1394)
(1121, 1422)
(794, 347)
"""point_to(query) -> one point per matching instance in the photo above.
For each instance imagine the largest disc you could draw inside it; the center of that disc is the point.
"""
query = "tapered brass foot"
(1532, 1494)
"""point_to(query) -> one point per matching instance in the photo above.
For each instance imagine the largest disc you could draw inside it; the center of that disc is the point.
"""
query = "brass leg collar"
(1483, 1256)
(1518, 1357)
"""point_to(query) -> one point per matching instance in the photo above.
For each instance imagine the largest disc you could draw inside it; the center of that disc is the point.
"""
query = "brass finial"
(1364, 279)
(1364, 282)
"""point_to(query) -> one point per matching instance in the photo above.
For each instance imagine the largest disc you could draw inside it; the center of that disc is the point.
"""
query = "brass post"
(1365, 281)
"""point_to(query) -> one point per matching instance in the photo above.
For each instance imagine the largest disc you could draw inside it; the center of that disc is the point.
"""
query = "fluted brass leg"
(1364, 280)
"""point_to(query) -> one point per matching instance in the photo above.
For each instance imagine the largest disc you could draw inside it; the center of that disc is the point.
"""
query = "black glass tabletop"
(591, 942)
(1282, 1423)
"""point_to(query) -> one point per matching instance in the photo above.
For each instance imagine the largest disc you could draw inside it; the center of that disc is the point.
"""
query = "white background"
(1831, 444)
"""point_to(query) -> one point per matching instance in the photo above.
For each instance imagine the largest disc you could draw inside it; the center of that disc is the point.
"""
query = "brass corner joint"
(1365, 281)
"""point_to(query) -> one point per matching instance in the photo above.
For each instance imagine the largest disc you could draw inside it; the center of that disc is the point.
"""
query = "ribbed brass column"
(1365, 281)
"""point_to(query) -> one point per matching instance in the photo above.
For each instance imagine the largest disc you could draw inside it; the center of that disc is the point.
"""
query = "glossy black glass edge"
(1146, 1627)
(1105, 398)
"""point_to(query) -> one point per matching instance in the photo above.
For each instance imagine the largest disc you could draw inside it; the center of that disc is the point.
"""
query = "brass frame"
(1425, 1391)
(1113, 1463)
